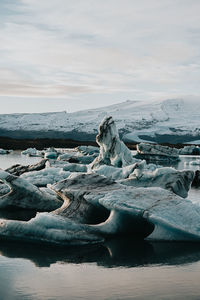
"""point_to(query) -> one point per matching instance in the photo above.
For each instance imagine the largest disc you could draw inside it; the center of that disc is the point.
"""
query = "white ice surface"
(175, 218)
(136, 117)
(46, 227)
(46, 176)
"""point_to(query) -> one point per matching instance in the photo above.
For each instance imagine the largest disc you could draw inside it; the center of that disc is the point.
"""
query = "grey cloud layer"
(145, 47)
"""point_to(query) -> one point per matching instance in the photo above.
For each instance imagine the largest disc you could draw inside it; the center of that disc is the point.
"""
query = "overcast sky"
(68, 55)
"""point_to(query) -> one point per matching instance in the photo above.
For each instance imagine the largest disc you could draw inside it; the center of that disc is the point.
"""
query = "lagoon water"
(118, 269)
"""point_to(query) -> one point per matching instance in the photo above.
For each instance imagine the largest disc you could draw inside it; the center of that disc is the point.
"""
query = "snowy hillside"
(173, 120)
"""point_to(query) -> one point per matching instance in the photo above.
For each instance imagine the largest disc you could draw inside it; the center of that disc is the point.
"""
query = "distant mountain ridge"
(168, 121)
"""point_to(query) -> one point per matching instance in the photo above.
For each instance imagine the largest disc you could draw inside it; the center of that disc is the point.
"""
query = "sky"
(73, 55)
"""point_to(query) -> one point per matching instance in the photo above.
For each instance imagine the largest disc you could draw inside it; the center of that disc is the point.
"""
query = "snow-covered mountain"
(172, 120)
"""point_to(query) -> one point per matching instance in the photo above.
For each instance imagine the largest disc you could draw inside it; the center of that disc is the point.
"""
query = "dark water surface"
(118, 269)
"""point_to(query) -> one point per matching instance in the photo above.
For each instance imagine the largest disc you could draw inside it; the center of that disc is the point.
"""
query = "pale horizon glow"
(73, 55)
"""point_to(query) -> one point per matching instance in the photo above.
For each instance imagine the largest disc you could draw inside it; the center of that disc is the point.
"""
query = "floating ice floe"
(3, 151)
(132, 210)
(32, 152)
(114, 172)
(178, 182)
(77, 158)
(96, 208)
(156, 153)
(45, 176)
(23, 194)
(51, 153)
(195, 162)
(88, 150)
(19, 169)
(189, 150)
(66, 166)
(131, 198)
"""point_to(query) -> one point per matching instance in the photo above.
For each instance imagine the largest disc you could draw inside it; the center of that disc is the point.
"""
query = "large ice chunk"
(112, 150)
(88, 150)
(45, 176)
(3, 151)
(132, 210)
(51, 153)
(24, 194)
(168, 178)
(153, 152)
(19, 169)
(190, 150)
(32, 152)
(152, 213)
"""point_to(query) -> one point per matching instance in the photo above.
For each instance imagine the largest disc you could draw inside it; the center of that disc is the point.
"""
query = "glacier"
(172, 120)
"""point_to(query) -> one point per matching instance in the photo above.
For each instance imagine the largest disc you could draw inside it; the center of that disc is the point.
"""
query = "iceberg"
(189, 150)
(114, 172)
(75, 168)
(3, 151)
(19, 169)
(32, 152)
(154, 152)
(88, 150)
(195, 162)
(115, 195)
(137, 211)
(112, 150)
(168, 178)
(46, 176)
(51, 153)
(142, 213)
(23, 194)
(78, 158)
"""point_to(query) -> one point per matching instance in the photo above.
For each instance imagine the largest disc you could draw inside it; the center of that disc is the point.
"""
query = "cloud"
(56, 48)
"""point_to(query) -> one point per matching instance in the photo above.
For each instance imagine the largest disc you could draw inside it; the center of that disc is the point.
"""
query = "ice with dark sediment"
(19, 169)
(141, 174)
(77, 158)
(112, 150)
(96, 208)
(3, 151)
(156, 153)
(88, 150)
(190, 150)
(168, 178)
(23, 194)
(115, 195)
(4, 188)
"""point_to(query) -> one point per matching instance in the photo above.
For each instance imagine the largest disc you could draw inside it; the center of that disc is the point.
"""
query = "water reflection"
(114, 253)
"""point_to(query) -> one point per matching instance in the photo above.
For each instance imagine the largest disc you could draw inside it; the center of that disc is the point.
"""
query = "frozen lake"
(118, 269)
